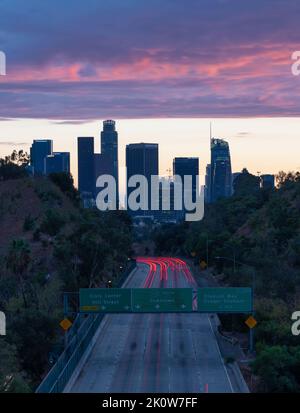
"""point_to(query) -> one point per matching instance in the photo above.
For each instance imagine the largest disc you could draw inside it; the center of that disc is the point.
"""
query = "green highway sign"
(102, 300)
(162, 300)
(225, 300)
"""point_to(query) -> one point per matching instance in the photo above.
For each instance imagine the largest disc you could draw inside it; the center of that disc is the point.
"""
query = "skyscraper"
(86, 166)
(267, 181)
(220, 170)
(142, 159)
(189, 167)
(102, 166)
(39, 150)
(57, 162)
(109, 151)
(207, 190)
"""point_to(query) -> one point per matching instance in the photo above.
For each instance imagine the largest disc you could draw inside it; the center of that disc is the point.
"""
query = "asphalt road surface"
(155, 353)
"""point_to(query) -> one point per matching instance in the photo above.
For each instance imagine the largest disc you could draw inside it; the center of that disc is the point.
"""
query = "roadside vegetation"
(259, 230)
(48, 245)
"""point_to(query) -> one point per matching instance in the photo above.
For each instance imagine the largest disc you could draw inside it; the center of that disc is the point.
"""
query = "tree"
(53, 222)
(33, 334)
(99, 244)
(11, 380)
(246, 184)
(18, 260)
(65, 182)
(284, 179)
(14, 166)
(19, 158)
(276, 365)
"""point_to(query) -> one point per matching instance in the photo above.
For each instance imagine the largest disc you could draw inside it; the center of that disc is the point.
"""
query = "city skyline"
(149, 198)
(263, 145)
(162, 72)
(142, 159)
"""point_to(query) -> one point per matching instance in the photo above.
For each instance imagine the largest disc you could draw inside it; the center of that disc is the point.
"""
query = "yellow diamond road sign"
(251, 322)
(65, 324)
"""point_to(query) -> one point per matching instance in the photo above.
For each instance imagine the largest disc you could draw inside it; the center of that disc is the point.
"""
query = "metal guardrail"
(231, 340)
(80, 335)
(65, 366)
(69, 368)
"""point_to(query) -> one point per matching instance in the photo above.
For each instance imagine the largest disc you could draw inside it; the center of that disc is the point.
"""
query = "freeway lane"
(154, 352)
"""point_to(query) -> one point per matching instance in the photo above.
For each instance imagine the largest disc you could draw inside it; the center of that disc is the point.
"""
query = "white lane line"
(74, 380)
(223, 364)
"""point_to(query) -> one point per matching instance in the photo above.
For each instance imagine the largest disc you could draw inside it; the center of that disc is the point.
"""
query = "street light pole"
(251, 332)
(232, 247)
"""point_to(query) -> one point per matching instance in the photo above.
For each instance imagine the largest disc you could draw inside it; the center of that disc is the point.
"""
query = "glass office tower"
(142, 159)
(39, 150)
(57, 162)
(220, 170)
(189, 167)
(86, 166)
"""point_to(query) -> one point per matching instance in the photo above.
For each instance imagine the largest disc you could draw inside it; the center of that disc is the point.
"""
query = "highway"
(154, 353)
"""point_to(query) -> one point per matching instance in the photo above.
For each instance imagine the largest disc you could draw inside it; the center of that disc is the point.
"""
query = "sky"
(163, 69)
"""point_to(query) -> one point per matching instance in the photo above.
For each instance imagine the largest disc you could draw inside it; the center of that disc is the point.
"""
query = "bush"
(48, 195)
(52, 223)
(278, 367)
(33, 334)
(28, 224)
(36, 235)
(66, 184)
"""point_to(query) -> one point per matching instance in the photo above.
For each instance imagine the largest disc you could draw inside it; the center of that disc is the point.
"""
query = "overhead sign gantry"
(164, 300)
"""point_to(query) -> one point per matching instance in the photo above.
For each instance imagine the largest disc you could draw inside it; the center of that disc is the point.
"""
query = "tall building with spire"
(109, 152)
(220, 170)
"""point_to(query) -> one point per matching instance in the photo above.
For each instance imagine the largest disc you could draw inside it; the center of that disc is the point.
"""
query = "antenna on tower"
(210, 133)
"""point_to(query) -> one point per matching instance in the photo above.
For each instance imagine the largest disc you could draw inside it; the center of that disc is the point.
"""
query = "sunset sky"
(163, 69)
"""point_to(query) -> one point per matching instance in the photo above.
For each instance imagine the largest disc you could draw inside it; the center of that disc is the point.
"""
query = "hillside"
(49, 244)
(26, 205)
